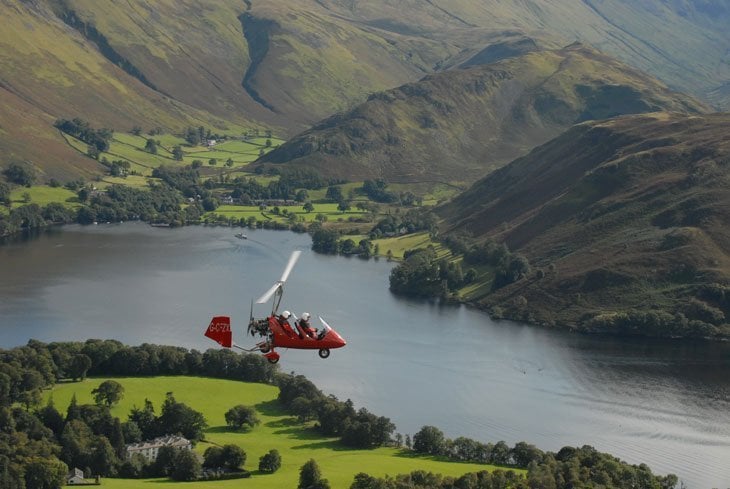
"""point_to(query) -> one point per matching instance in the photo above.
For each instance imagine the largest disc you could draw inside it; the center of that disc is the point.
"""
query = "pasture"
(296, 442)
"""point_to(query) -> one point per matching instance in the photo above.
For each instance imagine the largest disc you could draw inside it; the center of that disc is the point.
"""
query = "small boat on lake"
(241, 236)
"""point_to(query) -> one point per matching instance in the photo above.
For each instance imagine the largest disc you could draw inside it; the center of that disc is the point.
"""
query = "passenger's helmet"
(285, 314)
(305, 316)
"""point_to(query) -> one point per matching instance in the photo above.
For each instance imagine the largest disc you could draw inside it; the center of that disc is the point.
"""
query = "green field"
(296, 442)
(244, 211)
(400, 244)
(41, 195)
(125, 146)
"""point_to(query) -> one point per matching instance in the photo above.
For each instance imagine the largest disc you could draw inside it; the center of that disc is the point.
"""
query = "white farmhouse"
(149, 448)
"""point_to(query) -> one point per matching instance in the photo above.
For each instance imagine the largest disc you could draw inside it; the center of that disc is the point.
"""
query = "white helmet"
(305, 316)
(285, 314)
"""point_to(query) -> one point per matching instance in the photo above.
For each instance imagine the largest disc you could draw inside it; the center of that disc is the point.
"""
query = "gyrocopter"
(275, 331)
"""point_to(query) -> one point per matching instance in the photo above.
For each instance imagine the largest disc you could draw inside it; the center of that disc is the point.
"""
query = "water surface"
(665, 403)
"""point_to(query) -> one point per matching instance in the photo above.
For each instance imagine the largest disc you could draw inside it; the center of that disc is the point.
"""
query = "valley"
(488, 179)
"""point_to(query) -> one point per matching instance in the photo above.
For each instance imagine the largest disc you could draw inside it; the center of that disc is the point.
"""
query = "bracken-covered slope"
(627, 219)
(458, 125)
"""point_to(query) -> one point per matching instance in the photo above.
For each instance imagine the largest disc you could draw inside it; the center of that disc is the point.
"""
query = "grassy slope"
(309, 58)
(459, 125)
(296, 442)
(632, 212)
(49, 71)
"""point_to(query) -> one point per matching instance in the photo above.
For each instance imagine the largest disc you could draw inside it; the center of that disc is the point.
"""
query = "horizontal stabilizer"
(219, 330)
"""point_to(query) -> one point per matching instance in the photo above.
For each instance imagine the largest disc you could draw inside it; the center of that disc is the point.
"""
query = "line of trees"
(423, 274)
(81, 129)
(358, 429)
(38, 443)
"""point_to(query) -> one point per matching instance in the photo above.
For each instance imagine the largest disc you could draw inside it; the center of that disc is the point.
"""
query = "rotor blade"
(250, 320)
(267, 295)
(292, 261)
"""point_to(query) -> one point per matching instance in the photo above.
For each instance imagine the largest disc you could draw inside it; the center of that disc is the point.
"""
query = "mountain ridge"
(469, 121)
(620, 218)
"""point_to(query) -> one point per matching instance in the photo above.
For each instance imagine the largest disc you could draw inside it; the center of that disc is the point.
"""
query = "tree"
(308, 207)
(334, 194)
(177, 153)
(42, 473)
(270, 462)
(233, 457)
(239, 416)
(177, 417)
(192, 136)
(343, 206)
(4, 193)
(20, 173)
(229, 162)
(79, 366)
(136, 130)
(429, 440)
(310, 477)
(186, 466)
(109, 393)
(151, 146)
(213, 457)
(212, 161)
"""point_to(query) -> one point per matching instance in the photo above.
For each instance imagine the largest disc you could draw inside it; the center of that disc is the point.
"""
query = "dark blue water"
(665, 403)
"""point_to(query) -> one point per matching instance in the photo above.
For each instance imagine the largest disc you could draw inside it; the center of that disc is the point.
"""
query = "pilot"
(304, 327)
(284, 321)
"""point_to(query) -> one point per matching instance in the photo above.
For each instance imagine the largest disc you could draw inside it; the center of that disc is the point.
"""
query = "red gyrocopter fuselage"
(275, 331)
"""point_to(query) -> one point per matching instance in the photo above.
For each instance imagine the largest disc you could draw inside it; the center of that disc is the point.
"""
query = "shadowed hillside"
(626, 224)
(458, 125)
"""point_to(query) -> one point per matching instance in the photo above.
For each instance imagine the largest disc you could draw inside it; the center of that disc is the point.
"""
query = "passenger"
(304, 327)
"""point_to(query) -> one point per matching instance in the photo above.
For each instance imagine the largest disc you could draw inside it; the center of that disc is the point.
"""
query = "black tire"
(265, 349)
(324, 352)
(273, 360)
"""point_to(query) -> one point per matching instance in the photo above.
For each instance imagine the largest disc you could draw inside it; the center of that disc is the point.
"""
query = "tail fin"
(219, 330)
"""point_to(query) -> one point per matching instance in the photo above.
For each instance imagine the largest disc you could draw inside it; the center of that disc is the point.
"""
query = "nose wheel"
(324, 352)
(272, 357)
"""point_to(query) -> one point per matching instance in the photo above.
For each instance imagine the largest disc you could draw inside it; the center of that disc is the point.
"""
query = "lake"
(665, 403)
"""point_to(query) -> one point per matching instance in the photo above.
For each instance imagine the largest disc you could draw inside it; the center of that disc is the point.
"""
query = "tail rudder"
(219, 330)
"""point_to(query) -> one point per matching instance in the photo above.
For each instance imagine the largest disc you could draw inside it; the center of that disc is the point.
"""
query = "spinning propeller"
(279, 284)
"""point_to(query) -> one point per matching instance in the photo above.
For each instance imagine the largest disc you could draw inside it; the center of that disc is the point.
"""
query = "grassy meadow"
(296, 442)
(41, 195)
(126, 146)
(245, 211)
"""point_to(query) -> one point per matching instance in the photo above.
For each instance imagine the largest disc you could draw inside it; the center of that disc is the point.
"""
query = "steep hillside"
(458, 125)
(170, 64)
(685, 43)
(285, 64)
(626, 224)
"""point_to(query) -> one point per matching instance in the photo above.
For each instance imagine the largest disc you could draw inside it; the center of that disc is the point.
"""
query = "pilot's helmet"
(285, 314)
(305, 316)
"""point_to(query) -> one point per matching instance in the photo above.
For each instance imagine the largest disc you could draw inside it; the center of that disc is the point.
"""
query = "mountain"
(626, 223)
(685, 43)
(458, 125)
(284, 65)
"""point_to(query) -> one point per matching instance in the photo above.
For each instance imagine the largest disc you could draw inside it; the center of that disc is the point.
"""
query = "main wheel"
(264, 348)
(324, 353)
